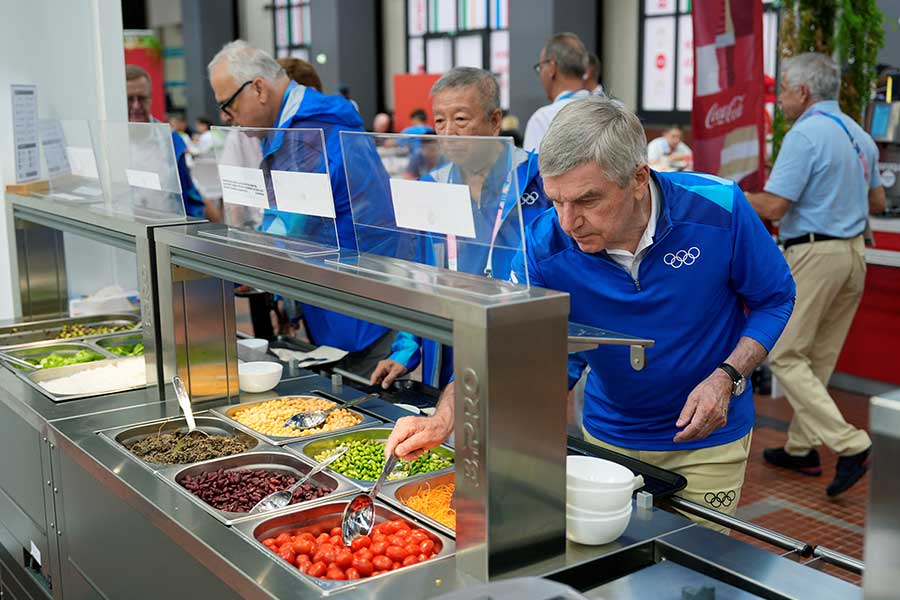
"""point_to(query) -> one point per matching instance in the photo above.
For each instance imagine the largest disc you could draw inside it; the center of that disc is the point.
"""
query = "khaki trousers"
(715, 475)
(830, 277)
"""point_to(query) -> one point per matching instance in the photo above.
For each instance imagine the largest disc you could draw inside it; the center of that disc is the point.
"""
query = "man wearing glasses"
(253, 90)
(561, 69)
(138, 88)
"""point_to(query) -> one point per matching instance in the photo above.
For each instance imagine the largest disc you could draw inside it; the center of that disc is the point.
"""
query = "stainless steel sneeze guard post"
(882, 551)
(510, 394)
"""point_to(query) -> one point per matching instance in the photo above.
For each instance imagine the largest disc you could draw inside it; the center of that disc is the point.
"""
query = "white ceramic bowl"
(581, 513)
(255, 377)
(255, 344)
(588, 472)
(613, 499)
(594, 532)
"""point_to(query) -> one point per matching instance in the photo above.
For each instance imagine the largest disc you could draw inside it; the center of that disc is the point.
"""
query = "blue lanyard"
(859, 153)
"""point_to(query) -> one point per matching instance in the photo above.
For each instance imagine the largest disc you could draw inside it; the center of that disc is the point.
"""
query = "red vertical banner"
(728, 116)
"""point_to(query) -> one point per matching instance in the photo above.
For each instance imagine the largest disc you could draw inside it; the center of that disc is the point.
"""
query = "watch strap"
(735, 375)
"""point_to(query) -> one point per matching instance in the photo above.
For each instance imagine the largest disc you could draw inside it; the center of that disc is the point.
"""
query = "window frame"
(288, 6)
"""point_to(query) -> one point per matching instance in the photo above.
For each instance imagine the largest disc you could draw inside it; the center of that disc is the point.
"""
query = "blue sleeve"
(518, 274)
(575, 368)
(793, 167)
(759, 275)
(406, 350)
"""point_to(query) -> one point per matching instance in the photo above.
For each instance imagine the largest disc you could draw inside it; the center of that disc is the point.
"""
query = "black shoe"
(850, 469)
(807, 465)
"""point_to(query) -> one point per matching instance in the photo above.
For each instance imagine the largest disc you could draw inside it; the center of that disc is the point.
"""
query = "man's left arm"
(761, 278)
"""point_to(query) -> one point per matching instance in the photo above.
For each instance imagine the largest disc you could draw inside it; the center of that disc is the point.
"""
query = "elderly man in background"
(561, 68)
(139, 87)
(681, 258)
(253, 90)
(822, 186)
(466, 102)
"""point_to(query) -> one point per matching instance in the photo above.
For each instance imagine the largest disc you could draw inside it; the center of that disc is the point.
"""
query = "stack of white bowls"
(598, 499)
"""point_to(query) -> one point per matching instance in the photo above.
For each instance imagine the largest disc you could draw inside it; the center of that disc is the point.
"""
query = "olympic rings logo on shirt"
(530, 198)
(682, 257)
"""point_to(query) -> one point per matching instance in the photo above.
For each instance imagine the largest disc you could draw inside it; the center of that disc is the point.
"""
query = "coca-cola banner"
(728, 112)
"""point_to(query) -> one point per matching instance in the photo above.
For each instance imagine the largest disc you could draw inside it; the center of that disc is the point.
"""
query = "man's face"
(592, 210)
(248, 108)
(138, 96)
(793, 99)
(460, 111)
(546, 73)
(673, 138)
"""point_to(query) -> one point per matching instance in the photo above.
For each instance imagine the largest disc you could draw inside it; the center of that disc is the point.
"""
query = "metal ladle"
(313, 418)
(282, 498)
(359, 514)
(184, 401)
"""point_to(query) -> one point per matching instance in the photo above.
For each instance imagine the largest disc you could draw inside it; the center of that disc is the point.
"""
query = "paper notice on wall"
(143, 179)
(433, 207)
(82, 162)
(244, 186)
(303, 193)
(53, 141)
(25, 132)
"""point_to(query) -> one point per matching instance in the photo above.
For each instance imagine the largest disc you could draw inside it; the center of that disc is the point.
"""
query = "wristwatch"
(738, 381)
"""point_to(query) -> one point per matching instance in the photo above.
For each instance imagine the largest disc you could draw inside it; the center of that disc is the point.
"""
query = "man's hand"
(386, 371)
(412, 436)
(706, 408)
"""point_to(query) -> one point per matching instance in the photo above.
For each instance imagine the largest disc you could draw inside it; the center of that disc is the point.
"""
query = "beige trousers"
(830, 277)
(715, 475)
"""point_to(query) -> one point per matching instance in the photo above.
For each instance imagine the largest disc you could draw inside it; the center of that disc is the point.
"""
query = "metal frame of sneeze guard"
(72, 166)
(451, 202)
(510, 422)
(276, 190)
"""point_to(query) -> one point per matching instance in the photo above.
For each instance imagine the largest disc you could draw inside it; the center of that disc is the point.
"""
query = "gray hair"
(246, 63)
(484, 81)
(597, 130)
(568, 52)
(818, 72)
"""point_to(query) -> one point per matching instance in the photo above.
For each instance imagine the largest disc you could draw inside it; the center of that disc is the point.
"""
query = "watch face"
(740, 386)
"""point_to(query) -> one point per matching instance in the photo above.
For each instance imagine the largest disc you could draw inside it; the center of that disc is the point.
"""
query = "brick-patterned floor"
(795, 504)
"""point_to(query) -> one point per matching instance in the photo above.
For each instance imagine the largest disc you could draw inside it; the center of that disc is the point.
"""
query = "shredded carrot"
(434, 502)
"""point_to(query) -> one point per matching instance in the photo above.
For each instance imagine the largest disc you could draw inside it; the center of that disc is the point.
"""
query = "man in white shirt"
(561, 68)
(592, 76)
(669, 153)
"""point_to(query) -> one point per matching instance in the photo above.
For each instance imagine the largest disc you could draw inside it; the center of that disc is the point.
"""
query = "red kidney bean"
(240, 490)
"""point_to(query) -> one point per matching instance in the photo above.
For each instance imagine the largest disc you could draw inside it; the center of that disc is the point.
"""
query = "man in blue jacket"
(680, 258)
(466, 101)
(253, 90)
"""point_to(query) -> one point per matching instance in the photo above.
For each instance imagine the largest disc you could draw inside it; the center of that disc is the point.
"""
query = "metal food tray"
(120, 437)
(35, 377)
(48, 329)
(18, 356)
(120, 338)
(325, 516)
(226, 413)
(311, 448)
(263, 456)
(395, 492)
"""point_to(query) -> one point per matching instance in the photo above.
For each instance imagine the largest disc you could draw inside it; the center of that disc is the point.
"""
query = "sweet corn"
(269, 417)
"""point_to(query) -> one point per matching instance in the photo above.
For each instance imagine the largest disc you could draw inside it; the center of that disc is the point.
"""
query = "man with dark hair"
(138, 89)
(561, 68)
(418, 126)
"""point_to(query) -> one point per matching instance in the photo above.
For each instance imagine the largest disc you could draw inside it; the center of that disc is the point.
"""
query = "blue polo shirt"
(820, 173)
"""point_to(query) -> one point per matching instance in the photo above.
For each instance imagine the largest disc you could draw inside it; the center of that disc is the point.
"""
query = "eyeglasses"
(224, 105)
(142, 100)
(537, 65)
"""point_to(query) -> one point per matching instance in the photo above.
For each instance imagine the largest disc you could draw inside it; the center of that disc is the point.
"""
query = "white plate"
(410, 408)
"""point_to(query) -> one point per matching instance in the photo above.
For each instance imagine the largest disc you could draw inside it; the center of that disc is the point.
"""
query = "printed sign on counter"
(303, 193)
(143, 179)
(82, 162)
(244, 186)
(434, 207)
(53, 141)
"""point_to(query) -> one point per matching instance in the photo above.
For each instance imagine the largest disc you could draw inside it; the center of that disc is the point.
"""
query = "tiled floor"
(795, 504)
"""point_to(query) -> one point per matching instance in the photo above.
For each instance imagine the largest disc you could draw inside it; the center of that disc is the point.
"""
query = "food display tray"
(325, 516)
(48, 329)
(18, 357)
(121, 338)
(36, 376)
(310, 448)
(395, 492)
(263, 456)
(226, 413)
(121, 437)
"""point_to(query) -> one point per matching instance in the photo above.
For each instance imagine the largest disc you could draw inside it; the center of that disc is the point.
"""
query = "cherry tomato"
(388, 527)
(303, 559)
(304, 568)
(379, 537)
(336, 540)
(360, 541)
(426, 547)
(283, 538)
(270, 542)
(411, 548)
(363, 553)
(353, 574)
(400, 524)
(343, 558)
(302, 546)
(374, 573)
(335, 574)
(288, 554)
(422, 557)
(306, 536)
(325, 553)
(322, 538)
(381, 563)
(410, 560)
(395, 566)
(364, 566)
(418, 536)
(396, 553)
(317, 569)
(335, 531)
(378, 548)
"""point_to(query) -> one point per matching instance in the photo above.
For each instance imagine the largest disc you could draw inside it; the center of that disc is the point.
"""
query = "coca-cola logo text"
(727, 113)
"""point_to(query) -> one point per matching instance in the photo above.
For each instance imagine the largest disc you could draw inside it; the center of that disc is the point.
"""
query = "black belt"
(809, 237)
